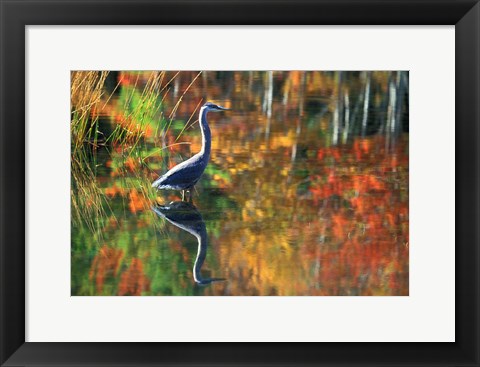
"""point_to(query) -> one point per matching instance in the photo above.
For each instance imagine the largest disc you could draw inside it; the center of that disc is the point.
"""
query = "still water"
(306, 192)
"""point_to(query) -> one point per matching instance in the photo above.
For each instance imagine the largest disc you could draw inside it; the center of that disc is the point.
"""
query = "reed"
(134, 142)
(87, 89)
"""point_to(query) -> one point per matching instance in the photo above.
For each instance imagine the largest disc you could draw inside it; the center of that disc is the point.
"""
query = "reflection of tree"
(342, 230)
(366, 102)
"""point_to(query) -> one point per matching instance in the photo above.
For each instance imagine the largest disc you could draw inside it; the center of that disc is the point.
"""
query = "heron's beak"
(224, 109)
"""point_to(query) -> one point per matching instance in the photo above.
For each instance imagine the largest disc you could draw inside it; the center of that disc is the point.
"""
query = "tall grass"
(87, 198)
(87, 88)
(135, 116)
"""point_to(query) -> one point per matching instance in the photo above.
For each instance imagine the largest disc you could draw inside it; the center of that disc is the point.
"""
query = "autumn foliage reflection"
(306, 192)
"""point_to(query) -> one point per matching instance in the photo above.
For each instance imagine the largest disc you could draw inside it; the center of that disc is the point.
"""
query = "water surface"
(306, 193)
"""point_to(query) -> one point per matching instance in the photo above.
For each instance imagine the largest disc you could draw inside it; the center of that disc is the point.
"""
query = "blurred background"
(306, 192)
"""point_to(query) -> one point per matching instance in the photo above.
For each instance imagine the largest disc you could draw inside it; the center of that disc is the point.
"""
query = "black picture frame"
(17, 14)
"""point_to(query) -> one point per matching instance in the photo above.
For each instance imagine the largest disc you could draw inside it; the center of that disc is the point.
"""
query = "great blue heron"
(186, 216)
(185, 175)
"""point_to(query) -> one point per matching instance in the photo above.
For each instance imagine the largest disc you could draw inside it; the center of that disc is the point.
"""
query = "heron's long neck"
(206, 135)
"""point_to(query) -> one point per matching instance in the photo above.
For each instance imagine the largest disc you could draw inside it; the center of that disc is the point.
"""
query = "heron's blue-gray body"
(186, 174)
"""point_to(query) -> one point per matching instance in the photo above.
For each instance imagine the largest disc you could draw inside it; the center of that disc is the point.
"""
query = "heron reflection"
(185, 216)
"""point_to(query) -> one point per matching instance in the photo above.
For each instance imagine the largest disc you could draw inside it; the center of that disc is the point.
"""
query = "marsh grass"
(135, 142)
(87, 198)
(87, 88)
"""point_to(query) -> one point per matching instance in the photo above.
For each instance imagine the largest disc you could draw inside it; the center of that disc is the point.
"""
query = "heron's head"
(213, 107)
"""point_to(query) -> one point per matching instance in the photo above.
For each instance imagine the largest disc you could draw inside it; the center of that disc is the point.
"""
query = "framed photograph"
(240, 175)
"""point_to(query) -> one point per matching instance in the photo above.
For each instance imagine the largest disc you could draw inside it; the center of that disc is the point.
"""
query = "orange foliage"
(137, 201)
(133, 281)
(114, 190)
(105, 263)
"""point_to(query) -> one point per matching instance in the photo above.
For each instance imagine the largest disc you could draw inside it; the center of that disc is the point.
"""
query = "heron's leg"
(183, 195)
(190, 198)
